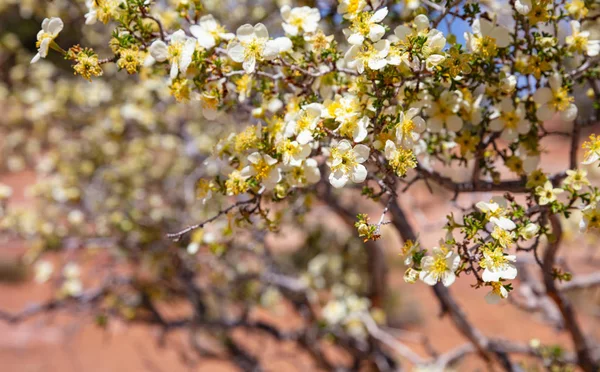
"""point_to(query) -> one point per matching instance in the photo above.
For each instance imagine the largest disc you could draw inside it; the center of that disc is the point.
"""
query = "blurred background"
(93, 175)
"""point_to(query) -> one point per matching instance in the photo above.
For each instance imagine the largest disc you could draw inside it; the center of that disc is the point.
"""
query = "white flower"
(5, 191)
(292, 152)
(494, 212)
(399, 158)
(592, 150)
(103, 10)
(92, 15)
(346, 163)
(371, 55)
(350, 8)
(523, 6)
(497, 265)
(71, 270)
(334, 312)
(420, 23)
(209, 32)
(579, 41)
(432, 49)
(342, 108)
(439, 267)
(303, 123)
(179, 52)
(367, 26)
(530, 230)
(590, 217)
(263, 168)
(51, 27)
(210, 98)
(442, 112)
(305, 19)
(253, 45)
(43, 271)
(510, 120)
(345, 111)
(409, 127)
(497, 293)
(487, 37)
(72, 287)
(547, 193)
(554, 99)
(304, 174)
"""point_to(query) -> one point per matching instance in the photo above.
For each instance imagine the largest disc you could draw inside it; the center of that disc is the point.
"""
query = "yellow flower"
(591, 217)
(467, 142)
(180, 90)
(408, 249)
(576, 179)
(457, 63)
(247, 139)
(535, 179)
(87, 65)
(547, 193)
(497, 293)
(236, 183)
(400, 158)
(540, 12)
(503, 237)
(130, 60)
(515, 164)
(497, 265)
(592, 147)
(411, 275)
(439, 267)
(577, 9)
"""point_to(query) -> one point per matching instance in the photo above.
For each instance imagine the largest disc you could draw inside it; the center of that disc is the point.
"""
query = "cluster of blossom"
(107, 157)
(384, 106)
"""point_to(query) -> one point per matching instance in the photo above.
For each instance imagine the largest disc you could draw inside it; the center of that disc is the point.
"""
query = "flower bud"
(411, 275)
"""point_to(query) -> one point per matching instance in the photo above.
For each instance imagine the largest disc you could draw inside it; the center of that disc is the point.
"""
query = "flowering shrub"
(401, 98)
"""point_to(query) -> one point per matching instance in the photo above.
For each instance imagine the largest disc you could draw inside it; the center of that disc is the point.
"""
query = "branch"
(584, 357)
(178, 235)
(52, 305)
(387, 339)
(447, 303)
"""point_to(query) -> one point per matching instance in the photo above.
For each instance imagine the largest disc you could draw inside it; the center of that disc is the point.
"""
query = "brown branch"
(514, 186)
(447, 303)
(178, 235)
(90, 296)
(584, 356)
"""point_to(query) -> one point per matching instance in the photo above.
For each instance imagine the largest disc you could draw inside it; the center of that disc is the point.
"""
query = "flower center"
(493, 260)
(407, 127)
(44, 36)
(561, 99)
(439, 267)
(348, 161)
(262, 169)
(511, 119)
(486, 45)
(253, 48)
(174, 51)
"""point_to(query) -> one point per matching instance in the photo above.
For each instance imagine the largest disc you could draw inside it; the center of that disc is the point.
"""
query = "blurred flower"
(301, 19)
(209, 32)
